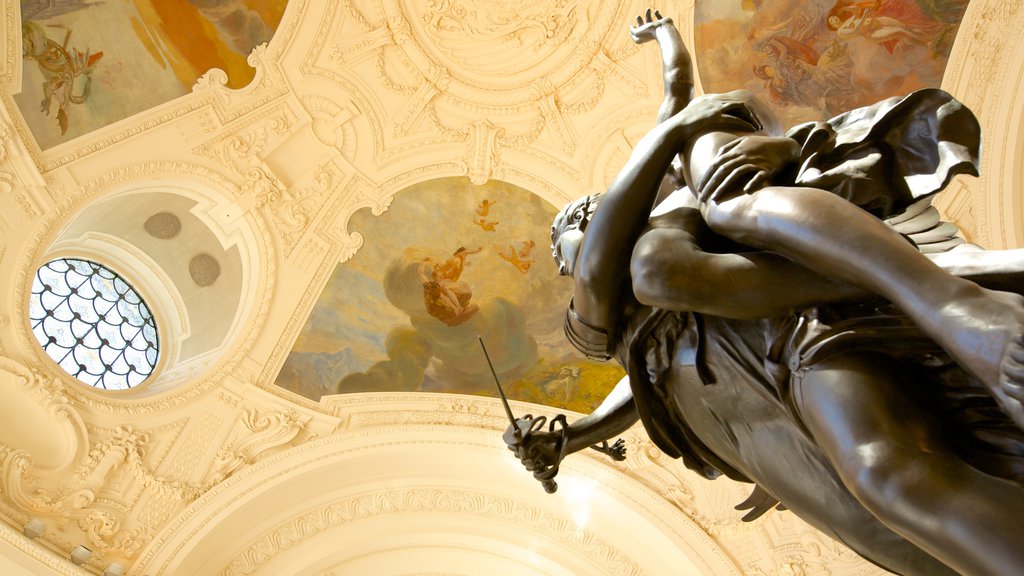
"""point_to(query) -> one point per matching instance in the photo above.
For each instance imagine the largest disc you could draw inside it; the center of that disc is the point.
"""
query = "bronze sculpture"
(875, 395)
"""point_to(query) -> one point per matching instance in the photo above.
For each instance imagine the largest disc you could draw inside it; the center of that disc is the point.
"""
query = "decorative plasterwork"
(256, 435)
(442, 455)
(10, 33)
(379, 102)
(483, 77)
(495, 509)
(20, 183)
(210, 92)
(209, 186)
(111, 489)
(54, 427)
(984, 70)
(68, 489)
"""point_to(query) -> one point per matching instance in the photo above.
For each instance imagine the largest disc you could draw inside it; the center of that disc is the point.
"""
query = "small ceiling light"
(80, 555)
(34, 528)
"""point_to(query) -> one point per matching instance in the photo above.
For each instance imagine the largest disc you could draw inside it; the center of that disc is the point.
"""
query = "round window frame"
(108, 381)
(150, 281)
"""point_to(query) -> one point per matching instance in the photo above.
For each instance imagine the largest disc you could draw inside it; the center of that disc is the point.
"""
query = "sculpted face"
(565, 251)
(567, 232)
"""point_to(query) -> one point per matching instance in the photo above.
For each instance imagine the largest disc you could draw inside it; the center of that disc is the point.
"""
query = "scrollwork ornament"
(215, 80)
(107, 536)
(259, 56)
(257, 434)
(52, 394)
(264, 187)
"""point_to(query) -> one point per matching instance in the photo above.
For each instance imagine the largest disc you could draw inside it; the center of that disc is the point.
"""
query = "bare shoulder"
(679, 211)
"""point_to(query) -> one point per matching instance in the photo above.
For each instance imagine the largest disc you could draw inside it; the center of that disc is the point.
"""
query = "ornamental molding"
(222, 504)
(10, 33)
(55, 564)
(20, 181)
(983, 71)
(51, 395)
(331, 123)
(257, 299)
(697, 511)
(421, 77)
(76, 503)
(382, 504)
(255, 435)
(709, 505)
(268, 85)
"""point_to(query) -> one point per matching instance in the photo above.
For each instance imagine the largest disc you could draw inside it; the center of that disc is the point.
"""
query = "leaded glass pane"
(93, 324)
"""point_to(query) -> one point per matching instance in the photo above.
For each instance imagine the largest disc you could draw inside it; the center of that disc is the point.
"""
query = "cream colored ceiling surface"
(210, 469)
(986, 71)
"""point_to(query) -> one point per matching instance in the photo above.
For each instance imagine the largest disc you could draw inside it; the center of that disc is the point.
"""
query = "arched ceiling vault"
(215, 470)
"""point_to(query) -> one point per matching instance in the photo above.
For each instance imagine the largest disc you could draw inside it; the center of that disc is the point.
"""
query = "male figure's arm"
(679, 264)
(541, 449)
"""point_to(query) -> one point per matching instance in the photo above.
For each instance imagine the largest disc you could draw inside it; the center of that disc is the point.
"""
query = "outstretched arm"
(676, 66)
(542, 450)
(613, 417)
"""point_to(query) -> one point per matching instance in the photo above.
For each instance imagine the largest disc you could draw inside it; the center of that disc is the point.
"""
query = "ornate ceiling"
(211, 468)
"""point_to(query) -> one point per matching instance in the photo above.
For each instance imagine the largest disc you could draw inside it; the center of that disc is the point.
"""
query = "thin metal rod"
(504, 399)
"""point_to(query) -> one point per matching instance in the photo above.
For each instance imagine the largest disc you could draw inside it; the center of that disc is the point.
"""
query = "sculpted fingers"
(646, 23)
(1015, 391)
(1013, 372)
(732, 182)
(758, 181)
(727, 148)
(720, 169)
(743, 112)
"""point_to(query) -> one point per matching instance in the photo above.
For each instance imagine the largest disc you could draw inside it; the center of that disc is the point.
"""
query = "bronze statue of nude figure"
(775, 330)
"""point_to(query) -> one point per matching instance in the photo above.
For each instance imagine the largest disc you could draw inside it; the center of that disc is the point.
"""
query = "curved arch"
(986, 71)
(336, 498)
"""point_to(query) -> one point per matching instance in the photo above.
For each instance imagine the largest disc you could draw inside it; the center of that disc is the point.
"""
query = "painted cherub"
(485, 207)
(520, 258)
(486, 225)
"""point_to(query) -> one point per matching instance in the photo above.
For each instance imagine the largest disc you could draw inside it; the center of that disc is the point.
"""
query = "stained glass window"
(93, 323)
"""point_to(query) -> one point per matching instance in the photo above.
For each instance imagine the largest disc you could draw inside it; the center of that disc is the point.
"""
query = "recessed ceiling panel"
(448, 262)
(812, 59)
(89, 64)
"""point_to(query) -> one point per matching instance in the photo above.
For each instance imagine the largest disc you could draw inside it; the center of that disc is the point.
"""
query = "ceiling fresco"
(90, 63)
(812, 59)
(447, 262)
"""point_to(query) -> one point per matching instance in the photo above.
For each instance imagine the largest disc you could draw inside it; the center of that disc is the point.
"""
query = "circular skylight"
(93, 324)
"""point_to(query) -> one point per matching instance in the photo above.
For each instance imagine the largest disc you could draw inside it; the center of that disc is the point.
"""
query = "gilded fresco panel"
(813, 59)
(89, 63)
(448, 262)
